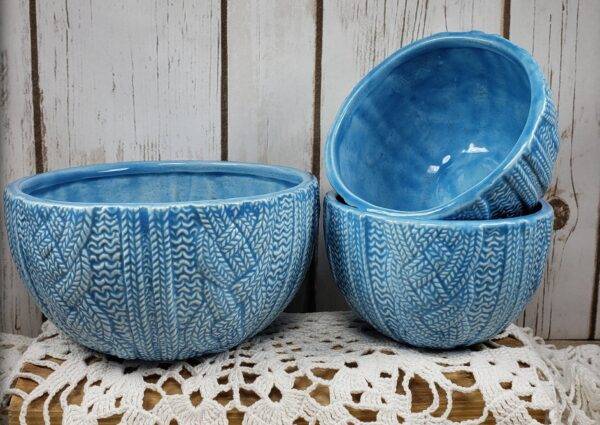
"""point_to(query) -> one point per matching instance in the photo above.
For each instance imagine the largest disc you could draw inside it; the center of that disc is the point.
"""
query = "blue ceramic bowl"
(436, 283)
(457, 125)
(163, 260)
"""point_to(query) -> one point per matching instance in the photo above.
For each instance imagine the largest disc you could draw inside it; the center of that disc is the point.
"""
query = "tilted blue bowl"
(457, 125)
(436, 283)
(163, 260)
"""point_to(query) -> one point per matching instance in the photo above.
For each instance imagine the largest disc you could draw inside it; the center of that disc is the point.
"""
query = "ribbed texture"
(164, 283)
(435, 285)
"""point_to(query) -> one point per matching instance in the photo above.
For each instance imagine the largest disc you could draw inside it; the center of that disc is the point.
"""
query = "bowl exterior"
(162, 283)
(436, 284)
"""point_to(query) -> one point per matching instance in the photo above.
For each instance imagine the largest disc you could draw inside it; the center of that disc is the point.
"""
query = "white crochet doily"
(12, 348)
(324, 367)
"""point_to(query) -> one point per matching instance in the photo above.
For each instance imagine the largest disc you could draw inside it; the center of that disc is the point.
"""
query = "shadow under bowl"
(436, 283)
(163, 260)
(456, 125)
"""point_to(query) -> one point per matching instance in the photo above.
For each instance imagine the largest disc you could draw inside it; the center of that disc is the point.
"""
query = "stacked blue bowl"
(440, 156)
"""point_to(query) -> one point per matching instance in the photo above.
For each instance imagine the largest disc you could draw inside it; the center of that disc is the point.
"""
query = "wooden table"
(465, 406)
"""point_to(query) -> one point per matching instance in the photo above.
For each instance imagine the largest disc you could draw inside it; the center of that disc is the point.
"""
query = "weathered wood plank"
(18, 313)
(271, 50)
(563, 37)
(356, 36)
(129, 80)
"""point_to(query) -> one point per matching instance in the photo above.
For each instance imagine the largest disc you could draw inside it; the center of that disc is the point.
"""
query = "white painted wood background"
(258, 80)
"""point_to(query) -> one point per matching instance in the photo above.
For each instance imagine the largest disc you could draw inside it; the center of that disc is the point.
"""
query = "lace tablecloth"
(326, 368)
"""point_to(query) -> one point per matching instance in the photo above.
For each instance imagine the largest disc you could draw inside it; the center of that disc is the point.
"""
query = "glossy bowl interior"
(433, 124)
(436, 283)
(159, 183)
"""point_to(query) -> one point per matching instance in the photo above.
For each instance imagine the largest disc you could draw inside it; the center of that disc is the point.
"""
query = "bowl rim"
(475, 39)
(16, 188)
(544, 211)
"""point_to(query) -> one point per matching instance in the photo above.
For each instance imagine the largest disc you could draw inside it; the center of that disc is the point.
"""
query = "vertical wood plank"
(129, 80)
(271, 49)
(18, 313)
(356, 36)
(587, 132)
(563, 37)
(271, 75)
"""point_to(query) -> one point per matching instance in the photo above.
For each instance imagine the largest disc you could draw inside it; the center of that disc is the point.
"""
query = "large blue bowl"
(436, 283)
(457, 125)
(163, 260)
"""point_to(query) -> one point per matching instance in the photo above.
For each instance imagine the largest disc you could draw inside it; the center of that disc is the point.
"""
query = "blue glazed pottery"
(436, 283)
(163, 260)
(456, 125)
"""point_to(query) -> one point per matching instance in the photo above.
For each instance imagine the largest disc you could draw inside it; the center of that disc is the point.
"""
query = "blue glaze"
(163, 260)
(436, 283)
(456, 125)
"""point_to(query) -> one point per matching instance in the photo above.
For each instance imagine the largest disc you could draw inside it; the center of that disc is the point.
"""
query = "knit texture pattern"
(324, 367)
(436, 284)
(164, 282)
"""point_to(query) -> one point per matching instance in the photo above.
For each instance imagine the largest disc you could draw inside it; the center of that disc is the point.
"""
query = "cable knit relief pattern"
(164, 282)
(526, 181)
(436, 283)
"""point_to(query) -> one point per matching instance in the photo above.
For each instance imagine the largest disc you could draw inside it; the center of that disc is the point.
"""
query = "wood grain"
(18, 313)
(271, 75)
(129, 80)
(271, 49)
(563, 37)
(465, 405)
(356, 36)
(564, 343)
